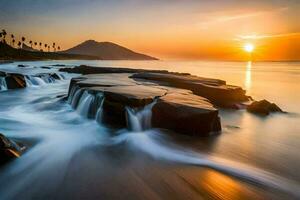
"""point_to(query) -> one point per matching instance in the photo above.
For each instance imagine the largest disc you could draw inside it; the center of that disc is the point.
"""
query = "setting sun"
(249, 47)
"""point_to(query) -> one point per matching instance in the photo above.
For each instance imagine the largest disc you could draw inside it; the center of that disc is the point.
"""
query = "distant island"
(8, 53)
(88, 50)
(107, 51)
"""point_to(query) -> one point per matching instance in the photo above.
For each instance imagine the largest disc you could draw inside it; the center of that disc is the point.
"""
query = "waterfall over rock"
(3, 85)
(139, 120)
(85, 103)
(99, 113)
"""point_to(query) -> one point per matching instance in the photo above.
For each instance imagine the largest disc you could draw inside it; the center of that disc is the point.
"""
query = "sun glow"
(249, 47)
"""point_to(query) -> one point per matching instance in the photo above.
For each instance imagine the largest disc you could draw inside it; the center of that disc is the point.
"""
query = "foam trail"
(147, 143)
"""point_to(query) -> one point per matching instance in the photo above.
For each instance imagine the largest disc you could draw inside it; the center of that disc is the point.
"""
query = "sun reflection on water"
(248, 77)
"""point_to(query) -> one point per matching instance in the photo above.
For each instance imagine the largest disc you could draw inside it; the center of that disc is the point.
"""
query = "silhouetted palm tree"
(58, 48)
(30, 42)
(13, 42)
(23, 40)
(46, 47)
(54, 46)
(19, 44)
(12, 38)
(40, 46)
(35, 43)
(3, 35)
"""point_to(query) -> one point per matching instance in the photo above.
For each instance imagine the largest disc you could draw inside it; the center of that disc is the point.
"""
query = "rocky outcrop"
(9, 149)
(217, 91)
(175, 109)
(186, 113)
(263, 107)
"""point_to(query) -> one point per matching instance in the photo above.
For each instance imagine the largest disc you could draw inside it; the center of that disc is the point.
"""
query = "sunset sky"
(168, 29)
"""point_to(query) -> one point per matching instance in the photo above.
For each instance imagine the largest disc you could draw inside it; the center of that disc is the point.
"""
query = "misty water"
(70, 155)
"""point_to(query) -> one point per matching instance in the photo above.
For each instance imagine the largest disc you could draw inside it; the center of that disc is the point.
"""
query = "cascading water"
(3, 85)
(85, 103)
(42, 79)
(139, 120)
(99, 113)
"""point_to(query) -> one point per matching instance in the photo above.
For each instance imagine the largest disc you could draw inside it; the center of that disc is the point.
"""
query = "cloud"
(257, 37)
(217, 18)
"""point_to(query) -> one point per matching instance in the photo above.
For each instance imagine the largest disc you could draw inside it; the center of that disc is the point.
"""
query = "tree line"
(39, 46)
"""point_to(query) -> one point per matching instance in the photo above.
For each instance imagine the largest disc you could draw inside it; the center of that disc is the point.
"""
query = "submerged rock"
(184, 112)
(9, 149)
(263, 107)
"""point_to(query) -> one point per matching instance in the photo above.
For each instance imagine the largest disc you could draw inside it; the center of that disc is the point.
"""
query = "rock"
(22, 66)
(83, 69)
(186, 113)
(9, 149)
(59, 65)
(2, 74)
(176, 109)
(15, 81)
(263, 107)
(45, 67)
(213, 89)
(117, 98)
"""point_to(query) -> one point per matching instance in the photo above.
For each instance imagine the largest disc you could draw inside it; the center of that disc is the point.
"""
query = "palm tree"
(30, 42)
(4, 34)
(53, 46)
(19, 44)
(46, 46)
(40, 46)
(58, 48)
(23, 40)
(12, 38)
(13, 42)
(35, 43)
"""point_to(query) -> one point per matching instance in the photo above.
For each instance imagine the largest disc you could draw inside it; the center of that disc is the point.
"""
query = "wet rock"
(22, 66)
(83, 69)
(217, 91)
(9, 149)
(15, 81)
(176, 109)
(184, 112)
(2, 74)
(117, 98)
(45, 67)
(59, 65)
(263, 107)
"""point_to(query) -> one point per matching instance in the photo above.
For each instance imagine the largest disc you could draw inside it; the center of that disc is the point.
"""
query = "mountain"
(9, 53)
(107, 51)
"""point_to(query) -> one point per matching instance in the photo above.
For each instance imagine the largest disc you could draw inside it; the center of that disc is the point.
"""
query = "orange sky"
(167, 29)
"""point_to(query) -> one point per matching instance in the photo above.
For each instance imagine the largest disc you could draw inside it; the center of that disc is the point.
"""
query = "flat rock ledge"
(217, 91)
(115, 94)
